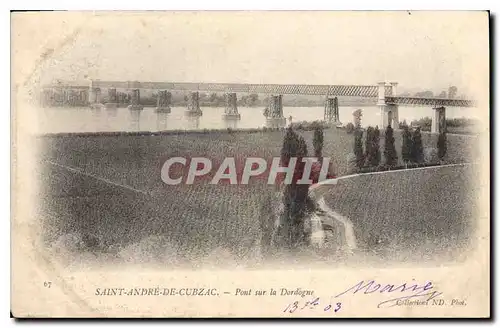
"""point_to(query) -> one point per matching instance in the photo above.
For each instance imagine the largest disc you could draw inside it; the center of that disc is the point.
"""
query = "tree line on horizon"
(451, 94)
(425, 123)
(250, 100)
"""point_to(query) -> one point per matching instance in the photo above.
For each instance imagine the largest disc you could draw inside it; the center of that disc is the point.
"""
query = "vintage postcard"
(273, 164)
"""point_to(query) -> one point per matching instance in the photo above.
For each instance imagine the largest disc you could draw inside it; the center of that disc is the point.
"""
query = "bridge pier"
(135, 100)
(193, 105)
(43, 97)
(389, 113)
(64, 98)
(390, 116)
(275, 118)
(231, 112)
(47, 98)
(163, 102)
(83, 96)
(332, 110)
(112, 99)
(439, 120)
(122, 99)
(95, 98)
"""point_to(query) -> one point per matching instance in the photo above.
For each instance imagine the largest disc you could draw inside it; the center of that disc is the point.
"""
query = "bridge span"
(427, 102)
(385, 93)
(369, 91)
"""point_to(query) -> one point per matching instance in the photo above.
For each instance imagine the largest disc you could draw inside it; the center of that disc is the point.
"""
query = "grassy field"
(108, 188)
(407, 214)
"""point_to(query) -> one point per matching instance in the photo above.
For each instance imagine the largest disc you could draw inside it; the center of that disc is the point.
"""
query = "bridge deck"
(299, 89)
(368, 91)
(435, 102)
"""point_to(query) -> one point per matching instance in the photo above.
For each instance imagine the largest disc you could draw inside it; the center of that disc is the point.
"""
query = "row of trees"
(250, 100)
(451, 94)
(210, 100)
(296, 203)
(290, 231)
(370, 155)
(219, 100)
(295, 196)
(425, 123)
(412, 150)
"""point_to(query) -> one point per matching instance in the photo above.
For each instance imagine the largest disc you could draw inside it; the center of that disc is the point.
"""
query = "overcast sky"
(420, 50)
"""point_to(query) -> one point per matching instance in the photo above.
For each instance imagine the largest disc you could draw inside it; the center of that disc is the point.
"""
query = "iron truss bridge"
(279, 89)
(429, 102)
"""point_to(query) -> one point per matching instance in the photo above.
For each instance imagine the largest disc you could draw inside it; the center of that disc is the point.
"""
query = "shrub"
(295, 196)
(391, 157)
(403, 124)
(424, 123)
(441, 146)
(290, 146)
(383, 167)
(358, 148)
(368, 145)
(375, 147)
(309, 126)
(430, 155)
(349, 128)
(372, 150)
(351, 161)
(407, 145)
(318, 141)
(417, 150)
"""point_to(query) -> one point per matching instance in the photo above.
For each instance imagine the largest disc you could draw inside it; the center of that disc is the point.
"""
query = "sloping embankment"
(109, 186)
(426, 213)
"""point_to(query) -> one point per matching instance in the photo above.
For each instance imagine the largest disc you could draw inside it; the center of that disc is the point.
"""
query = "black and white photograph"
(203, 144)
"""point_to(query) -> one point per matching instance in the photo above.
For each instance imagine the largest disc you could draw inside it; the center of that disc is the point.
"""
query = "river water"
(75, 119)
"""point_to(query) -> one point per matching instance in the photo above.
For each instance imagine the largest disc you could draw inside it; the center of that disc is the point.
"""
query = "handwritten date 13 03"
(313, 304)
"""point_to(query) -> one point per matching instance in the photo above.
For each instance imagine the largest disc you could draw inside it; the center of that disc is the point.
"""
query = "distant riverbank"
(84, 119)
(210, 105)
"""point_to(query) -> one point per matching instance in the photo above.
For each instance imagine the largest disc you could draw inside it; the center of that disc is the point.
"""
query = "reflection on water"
(54, 120)
(193, 122)
(112, 112)
(231, 123)
(135, 120)
(161, 121)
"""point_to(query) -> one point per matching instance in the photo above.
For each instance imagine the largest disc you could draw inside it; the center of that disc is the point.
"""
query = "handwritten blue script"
(401, 292)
